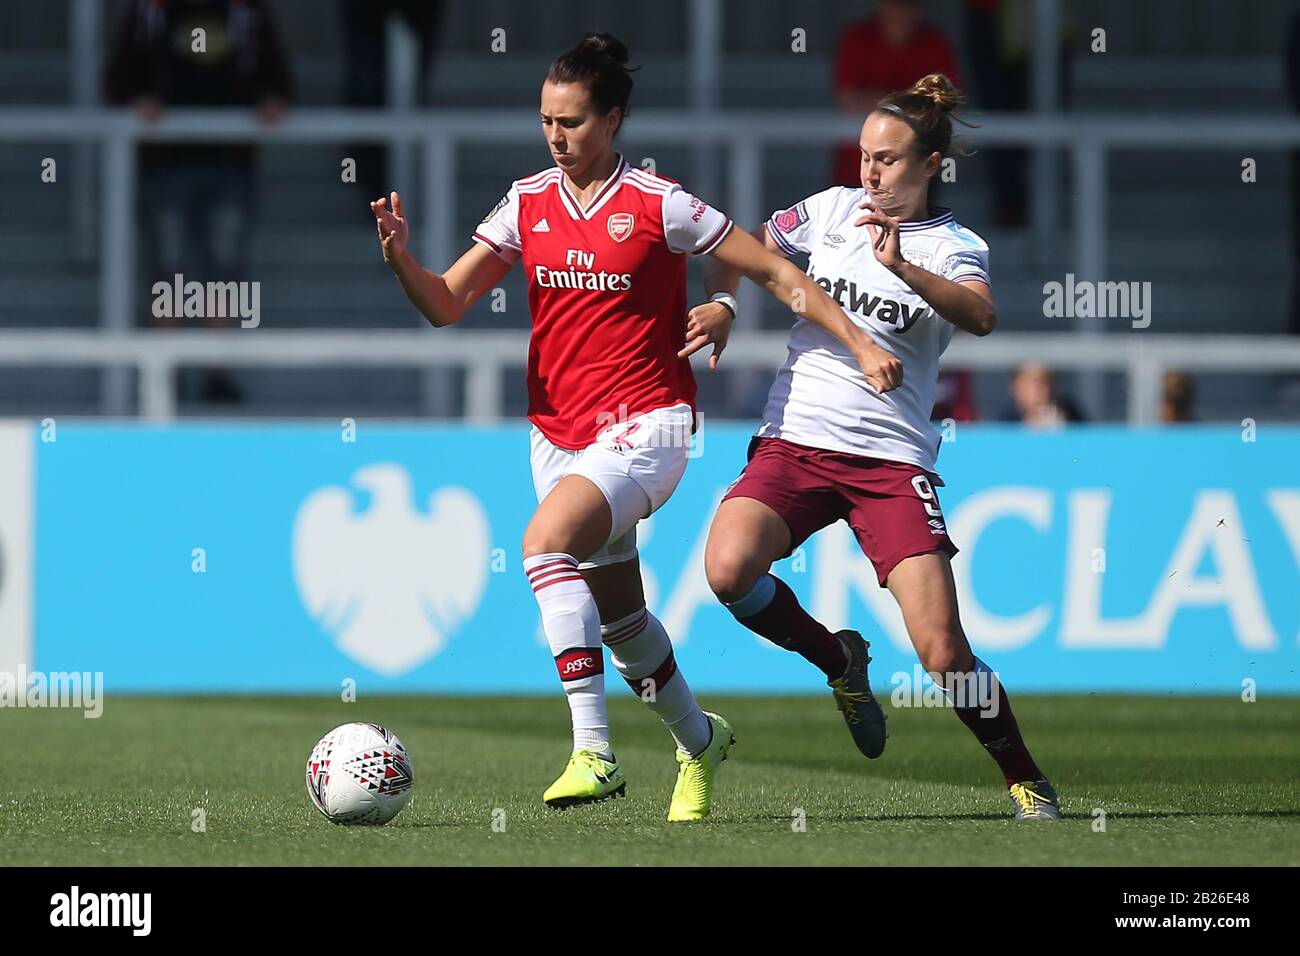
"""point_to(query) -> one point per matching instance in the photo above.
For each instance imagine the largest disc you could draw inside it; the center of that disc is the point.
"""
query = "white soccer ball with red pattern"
(360, 774)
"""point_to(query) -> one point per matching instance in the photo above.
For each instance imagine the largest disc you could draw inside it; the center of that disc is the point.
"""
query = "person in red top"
(889, 51)
(610, 394)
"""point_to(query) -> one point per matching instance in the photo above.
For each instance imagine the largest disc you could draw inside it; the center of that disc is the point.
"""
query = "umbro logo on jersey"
(833, 239)
(542, 226)
(889, 311)
(936, 527)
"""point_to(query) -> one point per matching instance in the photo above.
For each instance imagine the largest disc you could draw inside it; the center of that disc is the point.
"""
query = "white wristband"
(727, 299)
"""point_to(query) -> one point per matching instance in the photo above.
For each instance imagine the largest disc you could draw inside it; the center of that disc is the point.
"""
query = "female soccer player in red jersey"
(834, 446)
(611, 395)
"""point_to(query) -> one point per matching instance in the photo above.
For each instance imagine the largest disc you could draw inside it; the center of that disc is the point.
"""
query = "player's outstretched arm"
(967, 305)
(742, 252)
(719, 276)
(442, 299)
(710, 324)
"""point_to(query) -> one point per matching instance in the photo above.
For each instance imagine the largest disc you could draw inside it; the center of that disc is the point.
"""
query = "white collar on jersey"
(941, 215)
(607, 189)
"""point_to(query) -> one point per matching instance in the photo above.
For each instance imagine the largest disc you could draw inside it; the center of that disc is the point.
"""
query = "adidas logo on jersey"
(890, 311)
(542, 226)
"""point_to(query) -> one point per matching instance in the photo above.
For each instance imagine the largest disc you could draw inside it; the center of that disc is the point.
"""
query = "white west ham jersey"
(820, 397)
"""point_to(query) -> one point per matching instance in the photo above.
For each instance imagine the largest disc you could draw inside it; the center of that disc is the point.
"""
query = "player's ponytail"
(927, 109)
(598, 62)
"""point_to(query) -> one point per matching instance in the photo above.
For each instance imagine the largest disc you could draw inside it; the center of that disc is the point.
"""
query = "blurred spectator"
(197, 200)
(1177, 397)
(1035, 401)
(365, 68)
(889, 51)
(954, 397)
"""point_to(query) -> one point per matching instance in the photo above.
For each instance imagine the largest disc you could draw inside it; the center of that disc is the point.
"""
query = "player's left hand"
(884, 236)
(707, 324)
(393, 230)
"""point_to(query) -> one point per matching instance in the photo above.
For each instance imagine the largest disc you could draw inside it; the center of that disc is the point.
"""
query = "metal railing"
(741, 137)
(487, 355)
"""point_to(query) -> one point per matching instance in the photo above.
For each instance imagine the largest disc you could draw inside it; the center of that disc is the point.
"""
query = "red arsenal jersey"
(607, 294)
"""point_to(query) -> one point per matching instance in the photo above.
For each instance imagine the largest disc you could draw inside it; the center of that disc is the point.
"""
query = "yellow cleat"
(693, 792)
(1035, 800)
(588, 778)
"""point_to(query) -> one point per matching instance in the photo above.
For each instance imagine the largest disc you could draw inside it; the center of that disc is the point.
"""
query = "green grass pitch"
(1182, 781)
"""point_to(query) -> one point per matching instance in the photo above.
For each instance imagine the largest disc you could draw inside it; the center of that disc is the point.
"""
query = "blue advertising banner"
(293, 557)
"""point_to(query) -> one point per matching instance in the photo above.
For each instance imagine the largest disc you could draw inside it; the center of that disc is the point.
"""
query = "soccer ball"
(360, 774)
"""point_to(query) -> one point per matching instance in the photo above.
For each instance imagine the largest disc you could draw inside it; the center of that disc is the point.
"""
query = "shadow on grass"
(1086, 817)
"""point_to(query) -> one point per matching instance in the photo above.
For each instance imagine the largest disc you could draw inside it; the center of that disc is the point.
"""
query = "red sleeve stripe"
(499, 250)
(718, 237)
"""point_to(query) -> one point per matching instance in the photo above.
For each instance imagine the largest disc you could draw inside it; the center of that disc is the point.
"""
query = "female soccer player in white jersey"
(834, 446)
(610, 398)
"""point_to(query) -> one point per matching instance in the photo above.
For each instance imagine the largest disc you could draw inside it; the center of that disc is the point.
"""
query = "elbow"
(781, 275)
(449, 314)
(986, 322)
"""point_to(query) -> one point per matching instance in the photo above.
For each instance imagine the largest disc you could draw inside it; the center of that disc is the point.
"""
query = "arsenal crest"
(620, 225)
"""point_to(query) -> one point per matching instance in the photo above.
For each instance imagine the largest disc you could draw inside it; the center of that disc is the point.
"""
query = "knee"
(731, 575)
(947, 656)
(545, 541)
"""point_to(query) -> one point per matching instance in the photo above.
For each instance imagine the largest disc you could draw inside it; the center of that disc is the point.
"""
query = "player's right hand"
(708, 324)
(882, 370)
(392, 228)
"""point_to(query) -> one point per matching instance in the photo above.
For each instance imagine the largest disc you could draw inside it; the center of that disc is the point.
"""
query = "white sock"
(572, 626)
(643, 655)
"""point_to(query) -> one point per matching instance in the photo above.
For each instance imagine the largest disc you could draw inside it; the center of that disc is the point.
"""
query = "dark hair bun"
(928, 105)
(939, 89)
(607, 44)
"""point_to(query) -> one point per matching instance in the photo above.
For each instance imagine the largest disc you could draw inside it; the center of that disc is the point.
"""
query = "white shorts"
(636, 464)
